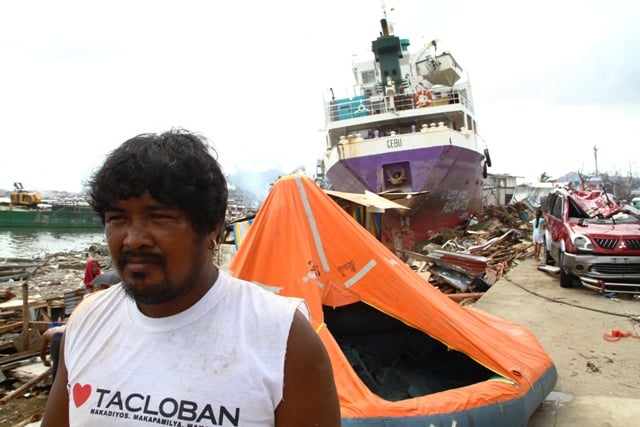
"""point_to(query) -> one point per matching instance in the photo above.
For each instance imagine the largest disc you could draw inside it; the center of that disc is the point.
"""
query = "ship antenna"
(388, 24)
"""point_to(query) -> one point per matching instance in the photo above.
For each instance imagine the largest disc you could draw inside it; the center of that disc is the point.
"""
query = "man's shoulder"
(269, 294)
(97, 297)
(94, 301)
(264, 289)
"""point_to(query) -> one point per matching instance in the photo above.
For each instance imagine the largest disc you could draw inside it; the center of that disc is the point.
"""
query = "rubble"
(464, 262)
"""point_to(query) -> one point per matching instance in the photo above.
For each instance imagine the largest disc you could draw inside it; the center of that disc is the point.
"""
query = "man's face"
(158, 254)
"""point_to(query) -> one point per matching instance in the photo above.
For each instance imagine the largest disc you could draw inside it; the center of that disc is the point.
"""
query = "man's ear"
(216, 233)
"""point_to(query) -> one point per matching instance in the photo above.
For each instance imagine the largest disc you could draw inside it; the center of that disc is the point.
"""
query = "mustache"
(139, 256)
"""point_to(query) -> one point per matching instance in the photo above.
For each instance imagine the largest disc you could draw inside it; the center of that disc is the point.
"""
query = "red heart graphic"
(81, 393)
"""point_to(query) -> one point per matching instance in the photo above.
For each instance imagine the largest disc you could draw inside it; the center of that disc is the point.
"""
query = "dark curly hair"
(175, 167)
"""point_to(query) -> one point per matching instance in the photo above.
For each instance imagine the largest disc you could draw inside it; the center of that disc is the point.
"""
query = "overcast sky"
(551, 79)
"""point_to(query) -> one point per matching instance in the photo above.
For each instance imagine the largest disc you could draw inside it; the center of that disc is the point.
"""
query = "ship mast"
(387, 50)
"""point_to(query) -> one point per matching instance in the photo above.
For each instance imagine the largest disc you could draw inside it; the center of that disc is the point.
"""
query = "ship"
(26, 209)
(407, 131)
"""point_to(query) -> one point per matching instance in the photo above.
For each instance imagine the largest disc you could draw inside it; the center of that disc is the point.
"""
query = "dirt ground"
(597, 379)
(24, 410)
(570, 324)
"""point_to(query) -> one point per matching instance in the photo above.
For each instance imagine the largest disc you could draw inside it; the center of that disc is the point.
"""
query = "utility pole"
(595, 155)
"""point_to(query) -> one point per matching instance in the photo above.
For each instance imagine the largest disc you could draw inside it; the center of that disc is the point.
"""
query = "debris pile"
(34, 293)
(464, 262)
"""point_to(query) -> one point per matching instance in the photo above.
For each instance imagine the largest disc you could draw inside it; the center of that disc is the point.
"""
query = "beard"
(149, 295)
(157, 295)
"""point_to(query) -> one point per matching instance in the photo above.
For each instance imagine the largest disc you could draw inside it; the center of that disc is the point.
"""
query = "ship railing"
(361, 105)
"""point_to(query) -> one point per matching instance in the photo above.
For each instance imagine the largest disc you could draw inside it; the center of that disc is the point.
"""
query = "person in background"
(91, 271)
(180, 340)
(104, 280)
(538, 234)
(51, 338)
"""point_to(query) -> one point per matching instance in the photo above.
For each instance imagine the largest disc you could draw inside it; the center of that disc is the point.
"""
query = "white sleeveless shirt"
(218, 363)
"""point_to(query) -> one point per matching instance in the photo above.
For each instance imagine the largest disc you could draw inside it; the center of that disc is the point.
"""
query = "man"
(180, 342)
(51, 338)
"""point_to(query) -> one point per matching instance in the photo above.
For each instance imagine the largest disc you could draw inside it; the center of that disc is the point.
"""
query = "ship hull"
(71, 217)
(442, 187)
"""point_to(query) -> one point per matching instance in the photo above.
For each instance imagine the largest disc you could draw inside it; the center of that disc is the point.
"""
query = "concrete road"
(598, 380)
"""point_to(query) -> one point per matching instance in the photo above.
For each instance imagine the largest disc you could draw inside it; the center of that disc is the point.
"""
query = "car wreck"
(593, 241)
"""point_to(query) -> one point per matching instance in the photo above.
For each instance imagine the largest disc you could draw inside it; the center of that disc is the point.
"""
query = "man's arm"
(56, 413)
(310, 396)
(44, 344)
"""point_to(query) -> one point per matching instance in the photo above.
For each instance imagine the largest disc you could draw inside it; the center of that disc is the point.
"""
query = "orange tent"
(403, 353)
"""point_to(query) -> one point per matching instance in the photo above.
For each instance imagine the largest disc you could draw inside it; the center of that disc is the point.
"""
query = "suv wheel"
(566, 280)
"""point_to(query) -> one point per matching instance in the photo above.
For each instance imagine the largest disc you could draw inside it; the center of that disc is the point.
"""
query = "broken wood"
(464, 263)
(18, 356)
(25, 314)
(470, 261)
(10, 327)
(462, 296)
(24, 387)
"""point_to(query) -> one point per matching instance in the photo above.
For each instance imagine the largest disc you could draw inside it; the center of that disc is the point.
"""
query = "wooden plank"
(19, 356)
(10, 327)
(461, 296)
(40, 324)
(26, 318)
(11, 366)
(7, 345)
(26, 386)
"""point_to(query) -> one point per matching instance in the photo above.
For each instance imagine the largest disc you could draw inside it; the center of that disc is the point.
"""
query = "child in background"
(538, 234)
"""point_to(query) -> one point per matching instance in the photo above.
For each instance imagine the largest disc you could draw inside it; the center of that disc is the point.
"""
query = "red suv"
(592, 239)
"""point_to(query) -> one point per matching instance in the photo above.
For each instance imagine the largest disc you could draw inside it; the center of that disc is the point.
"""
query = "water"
(24, 243)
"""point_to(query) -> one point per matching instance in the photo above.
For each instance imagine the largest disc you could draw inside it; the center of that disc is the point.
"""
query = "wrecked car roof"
(595, 203)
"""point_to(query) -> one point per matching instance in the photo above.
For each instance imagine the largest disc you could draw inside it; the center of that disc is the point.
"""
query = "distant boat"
(25, 209)
(407, 133)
